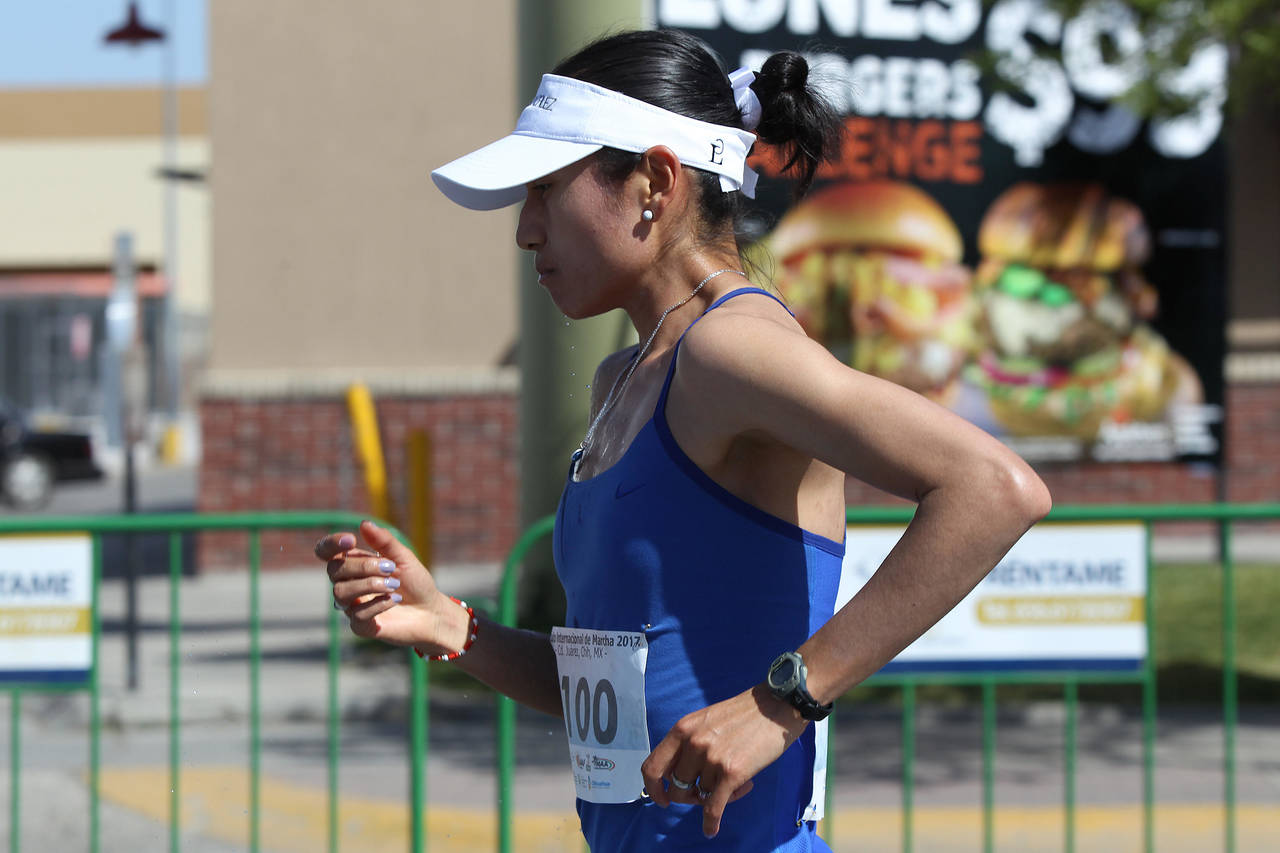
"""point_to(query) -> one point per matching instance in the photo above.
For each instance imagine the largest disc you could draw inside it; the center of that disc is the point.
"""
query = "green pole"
(95, 726)
(1228, 683)
(15, 768)
(255, 690)
(988, 764)
(418, 747)
(1069, 765)
(506, 753)
(175, 660)
(506, 721)
(1149, 711)
(333, 724)
(908, 762)
(558, 356)
(829, 798)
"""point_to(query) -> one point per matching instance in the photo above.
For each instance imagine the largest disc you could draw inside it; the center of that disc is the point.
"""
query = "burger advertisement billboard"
(1029, 254)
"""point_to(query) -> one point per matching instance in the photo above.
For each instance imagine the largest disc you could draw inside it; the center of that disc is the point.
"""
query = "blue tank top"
(720, 588)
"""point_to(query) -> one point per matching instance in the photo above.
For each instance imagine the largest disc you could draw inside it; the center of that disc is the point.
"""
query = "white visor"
(568, 120)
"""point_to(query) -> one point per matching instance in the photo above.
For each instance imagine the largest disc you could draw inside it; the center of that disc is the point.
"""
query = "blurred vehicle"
(32, 461)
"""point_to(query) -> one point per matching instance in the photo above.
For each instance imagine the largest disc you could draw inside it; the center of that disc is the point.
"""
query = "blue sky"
(58, 43)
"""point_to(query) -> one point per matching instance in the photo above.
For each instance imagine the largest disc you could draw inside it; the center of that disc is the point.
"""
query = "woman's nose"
(529, 234)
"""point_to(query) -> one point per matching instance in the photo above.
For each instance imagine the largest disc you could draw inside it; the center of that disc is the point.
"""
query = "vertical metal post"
(908, 763)
(175, 717)
(130, 555)
(95, 721)
(15, 770)
(988, 765)
(1069, 698)
(1229, 697)
(506, 758)
(170, 350)
(1149, 711)
(333, 729)
(255, 690)
(418, 752)
(557, 357)
(829, 800)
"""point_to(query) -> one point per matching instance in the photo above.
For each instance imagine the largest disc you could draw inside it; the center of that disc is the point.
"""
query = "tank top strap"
(660, 410)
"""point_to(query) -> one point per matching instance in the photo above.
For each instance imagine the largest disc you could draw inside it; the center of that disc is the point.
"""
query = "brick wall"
(297, 454)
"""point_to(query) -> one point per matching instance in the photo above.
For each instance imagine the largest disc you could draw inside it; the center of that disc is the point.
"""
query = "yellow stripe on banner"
(1061, 610)
(44, 621)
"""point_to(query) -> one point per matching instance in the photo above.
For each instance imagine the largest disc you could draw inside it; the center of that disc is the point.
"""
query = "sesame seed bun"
(1064, 226)
(881, 214)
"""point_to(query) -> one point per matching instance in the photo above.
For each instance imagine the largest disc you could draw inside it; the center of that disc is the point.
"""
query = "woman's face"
(586, 244)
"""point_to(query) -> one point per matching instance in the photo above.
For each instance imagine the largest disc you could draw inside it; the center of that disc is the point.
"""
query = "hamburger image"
(1064, 306)
(872, 271)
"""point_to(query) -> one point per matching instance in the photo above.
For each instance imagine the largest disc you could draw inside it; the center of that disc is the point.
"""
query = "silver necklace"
(625, 378)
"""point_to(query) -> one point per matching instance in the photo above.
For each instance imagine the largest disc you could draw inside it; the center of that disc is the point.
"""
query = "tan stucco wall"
(66, 198)
(332, 249)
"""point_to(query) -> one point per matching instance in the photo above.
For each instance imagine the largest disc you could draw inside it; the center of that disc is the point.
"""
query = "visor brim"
(496, 175)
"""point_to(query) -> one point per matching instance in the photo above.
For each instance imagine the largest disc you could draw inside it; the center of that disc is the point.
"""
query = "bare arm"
(518, 663)
(759, 376)
(975, 497)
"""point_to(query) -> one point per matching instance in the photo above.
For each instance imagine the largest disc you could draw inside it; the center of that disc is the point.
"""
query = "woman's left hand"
(718, 750)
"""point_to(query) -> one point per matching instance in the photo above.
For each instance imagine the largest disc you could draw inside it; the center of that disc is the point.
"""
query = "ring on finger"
(680, 783)
(701, 794)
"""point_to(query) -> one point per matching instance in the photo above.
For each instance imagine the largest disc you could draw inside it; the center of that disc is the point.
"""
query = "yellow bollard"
(171, 444)
(364, 434)
(418, 460)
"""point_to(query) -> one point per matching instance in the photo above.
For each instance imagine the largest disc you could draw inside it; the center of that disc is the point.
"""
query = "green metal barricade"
(1148, 515)
(255, 523)
(175, 525)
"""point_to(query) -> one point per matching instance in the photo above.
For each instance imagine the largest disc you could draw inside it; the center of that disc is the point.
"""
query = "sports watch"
(787, 681)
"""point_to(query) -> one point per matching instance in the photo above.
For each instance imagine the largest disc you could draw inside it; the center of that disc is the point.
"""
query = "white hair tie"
(746, 99)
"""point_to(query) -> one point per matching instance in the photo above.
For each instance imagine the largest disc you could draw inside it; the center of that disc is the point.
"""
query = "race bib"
(602, 692)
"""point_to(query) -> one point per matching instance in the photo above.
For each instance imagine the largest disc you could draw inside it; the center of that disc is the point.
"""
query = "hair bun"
(795, 118)
(789, 69)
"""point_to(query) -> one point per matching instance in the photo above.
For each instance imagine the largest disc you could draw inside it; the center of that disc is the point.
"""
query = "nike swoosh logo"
(623, 490)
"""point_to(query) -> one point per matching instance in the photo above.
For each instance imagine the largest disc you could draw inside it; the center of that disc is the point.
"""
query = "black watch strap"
(787, 681)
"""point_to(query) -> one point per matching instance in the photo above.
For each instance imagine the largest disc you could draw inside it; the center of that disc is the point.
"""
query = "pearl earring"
(646, 215)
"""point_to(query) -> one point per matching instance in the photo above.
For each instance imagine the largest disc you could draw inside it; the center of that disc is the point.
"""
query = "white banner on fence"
(1065, 597)
(46, 608)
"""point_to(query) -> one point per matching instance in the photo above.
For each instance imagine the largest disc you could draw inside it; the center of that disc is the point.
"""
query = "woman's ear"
(660, 173)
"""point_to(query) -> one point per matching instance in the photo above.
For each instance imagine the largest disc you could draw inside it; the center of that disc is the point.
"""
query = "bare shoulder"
(744, 337)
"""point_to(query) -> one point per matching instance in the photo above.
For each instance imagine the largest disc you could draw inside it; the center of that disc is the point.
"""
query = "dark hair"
(678, 72)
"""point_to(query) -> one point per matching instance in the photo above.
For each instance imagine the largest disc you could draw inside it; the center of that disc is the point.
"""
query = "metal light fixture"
(133, 32)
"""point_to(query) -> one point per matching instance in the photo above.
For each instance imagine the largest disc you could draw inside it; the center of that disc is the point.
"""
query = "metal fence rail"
(175, 525)
(1223, 514)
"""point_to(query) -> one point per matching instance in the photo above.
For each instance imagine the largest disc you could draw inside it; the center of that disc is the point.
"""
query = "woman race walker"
(700, 533)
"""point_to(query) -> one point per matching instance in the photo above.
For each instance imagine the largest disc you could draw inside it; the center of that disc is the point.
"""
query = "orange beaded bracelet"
(473, 628)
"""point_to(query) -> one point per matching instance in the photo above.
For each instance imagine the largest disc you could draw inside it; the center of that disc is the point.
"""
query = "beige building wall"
(333, 253)
(77, 166)
(66, 199)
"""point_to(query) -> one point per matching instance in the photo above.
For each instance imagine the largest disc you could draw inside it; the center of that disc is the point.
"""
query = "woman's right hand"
(388, 594)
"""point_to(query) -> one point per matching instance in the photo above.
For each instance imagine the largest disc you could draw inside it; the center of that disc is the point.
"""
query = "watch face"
(782, 673)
